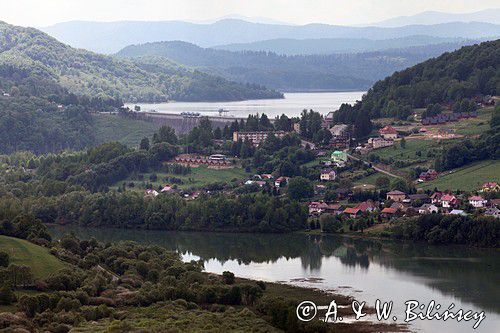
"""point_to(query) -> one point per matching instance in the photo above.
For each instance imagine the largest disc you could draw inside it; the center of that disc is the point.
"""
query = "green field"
(371, 179)
(22, 252)
(198, 178)
(110, 127)
(469, 178)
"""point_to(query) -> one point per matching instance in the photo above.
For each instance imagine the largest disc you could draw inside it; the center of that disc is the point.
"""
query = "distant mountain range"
(432, 17)
(29, 55)
(110, 37)
(341, 45)
(356, 71)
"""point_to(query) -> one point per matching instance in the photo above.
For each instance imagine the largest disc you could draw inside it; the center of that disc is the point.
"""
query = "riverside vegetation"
(125, 286)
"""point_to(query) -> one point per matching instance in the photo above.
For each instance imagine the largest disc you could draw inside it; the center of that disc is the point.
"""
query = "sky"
(39, 13)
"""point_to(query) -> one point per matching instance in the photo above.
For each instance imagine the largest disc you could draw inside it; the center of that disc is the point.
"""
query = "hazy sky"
(346, 12)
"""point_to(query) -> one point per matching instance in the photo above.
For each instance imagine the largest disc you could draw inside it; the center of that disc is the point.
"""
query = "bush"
(7, 296)
(4, 259)
(228, 277)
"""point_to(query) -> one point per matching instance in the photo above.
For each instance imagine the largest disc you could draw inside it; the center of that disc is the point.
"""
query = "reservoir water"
(291, 105)
(365, 269)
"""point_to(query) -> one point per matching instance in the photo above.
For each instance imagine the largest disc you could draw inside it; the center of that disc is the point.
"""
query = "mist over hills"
(491, 15)
(110, 37)
(290, 46)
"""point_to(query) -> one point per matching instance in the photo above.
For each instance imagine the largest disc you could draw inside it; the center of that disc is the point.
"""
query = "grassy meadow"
(468, 178)
(24, 253)
(111, 127)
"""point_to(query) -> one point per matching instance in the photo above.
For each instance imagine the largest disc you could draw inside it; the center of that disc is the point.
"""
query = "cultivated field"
(469, 178)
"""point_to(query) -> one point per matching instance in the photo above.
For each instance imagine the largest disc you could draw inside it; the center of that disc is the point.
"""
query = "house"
(319, 188)
(327, 175)
(436, 197)
(167, 189)
(217, 157)
(477, 202)
(490, 187)
(428, 175)
(367, 206)
(339, 157)
(421, 197)
(398, 206)
(329, 118)
(296, 128)
(266, 176)
(396, 195)
(334, 209)
(340, 135)
(495, 202)
(339, 130)
(388, 132)
(377, 143)
(151, 193)
(458, 212)
(494, 212)
(281, 181)
(428, 209)
(316, 208)
(388, 212)
(448, 201)
(353, 212)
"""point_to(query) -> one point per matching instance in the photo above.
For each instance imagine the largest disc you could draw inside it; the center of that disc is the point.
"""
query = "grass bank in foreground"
(22, 252)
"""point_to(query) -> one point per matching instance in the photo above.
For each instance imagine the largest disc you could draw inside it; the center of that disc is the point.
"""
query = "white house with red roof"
(477, 201)
(449, 201)
(388, 132)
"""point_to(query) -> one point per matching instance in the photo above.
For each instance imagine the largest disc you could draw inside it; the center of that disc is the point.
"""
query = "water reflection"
(470, 275)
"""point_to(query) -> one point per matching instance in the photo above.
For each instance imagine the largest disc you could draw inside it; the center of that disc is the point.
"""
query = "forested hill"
(467, 72)
(299, 72)
(42, 58)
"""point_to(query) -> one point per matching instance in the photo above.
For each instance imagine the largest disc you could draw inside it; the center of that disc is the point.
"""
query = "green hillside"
(22, 252)
(465, 73)
(39, 56)
(292, 72)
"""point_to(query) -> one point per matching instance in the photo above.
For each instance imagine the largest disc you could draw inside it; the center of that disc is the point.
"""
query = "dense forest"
(453, 76)
(299, 72)
(443, 229)
(40, 56)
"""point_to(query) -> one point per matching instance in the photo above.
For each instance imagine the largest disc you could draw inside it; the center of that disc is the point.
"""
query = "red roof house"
(388, 132)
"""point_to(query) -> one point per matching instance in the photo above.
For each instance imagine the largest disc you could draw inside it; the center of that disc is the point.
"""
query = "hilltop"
(34, 55)
(451, 77)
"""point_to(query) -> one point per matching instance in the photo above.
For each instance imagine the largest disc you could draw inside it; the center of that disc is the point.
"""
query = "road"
(374, 167)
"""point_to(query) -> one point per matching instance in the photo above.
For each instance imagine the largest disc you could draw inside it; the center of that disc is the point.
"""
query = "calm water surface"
(365, 269)
(291, 105)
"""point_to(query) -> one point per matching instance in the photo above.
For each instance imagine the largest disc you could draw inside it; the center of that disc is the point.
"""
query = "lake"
(364, 269)
(291, 105)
